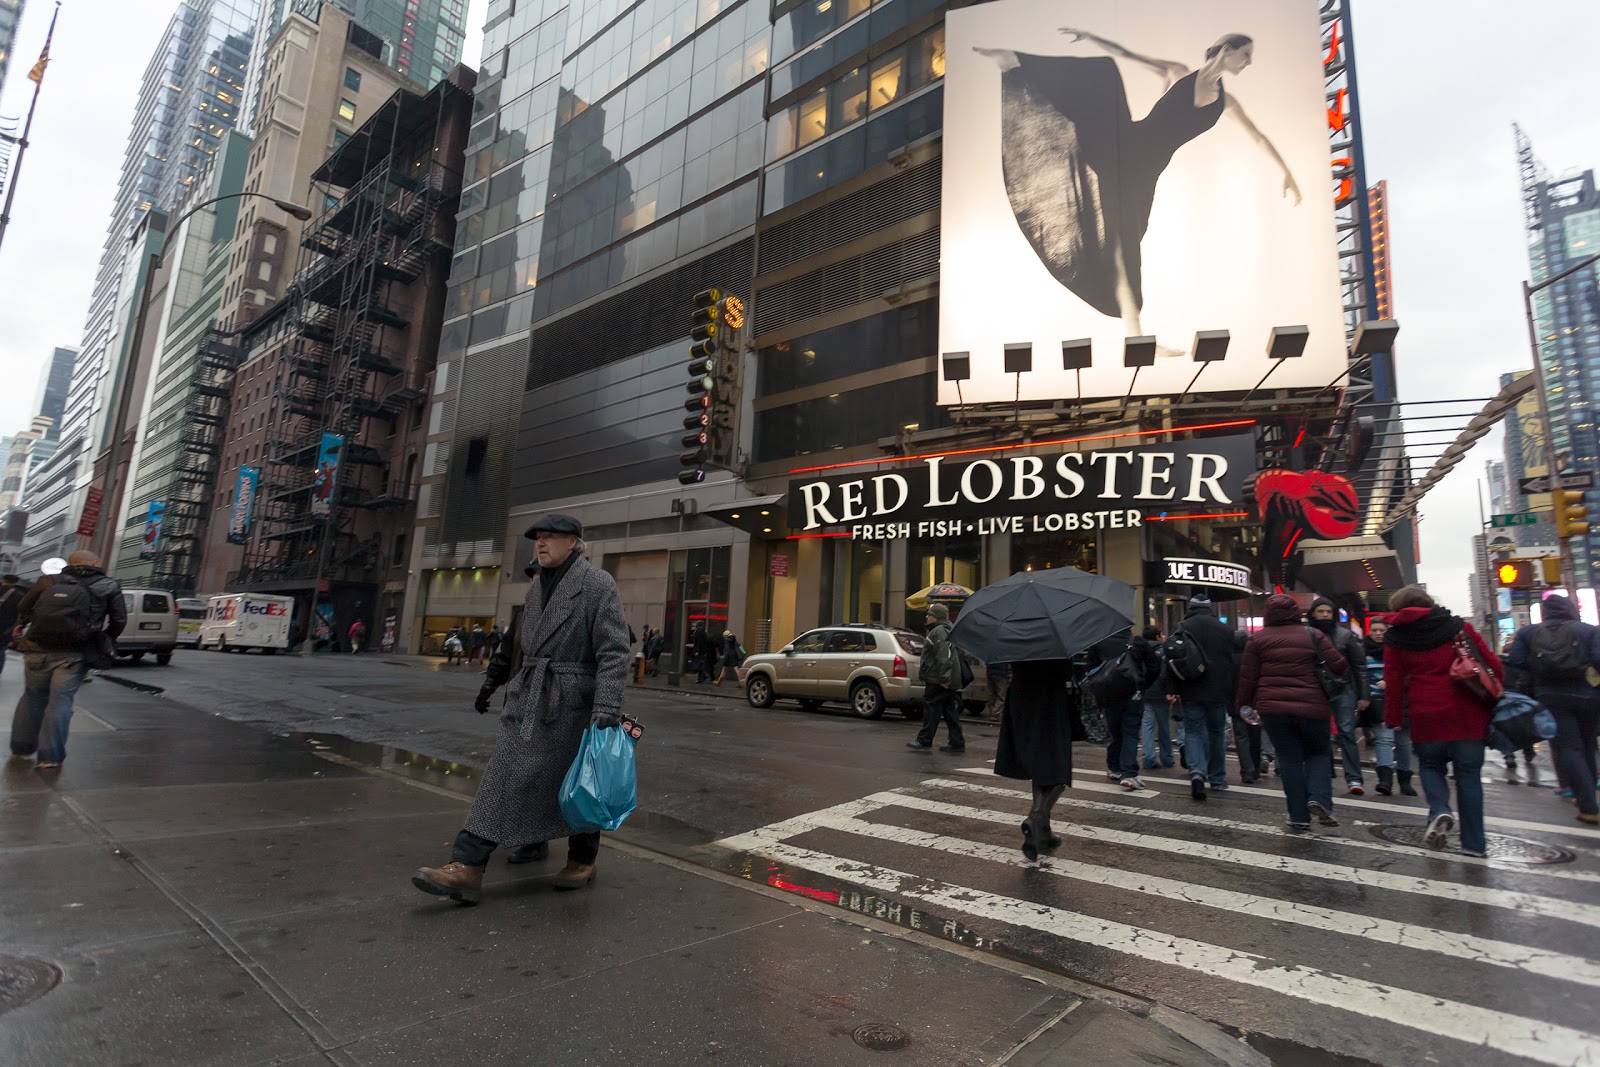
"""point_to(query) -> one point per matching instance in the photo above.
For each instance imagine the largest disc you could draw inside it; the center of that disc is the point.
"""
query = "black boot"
(1406, 789)
(1048, 840)
(1032, 826)
(1385, 781)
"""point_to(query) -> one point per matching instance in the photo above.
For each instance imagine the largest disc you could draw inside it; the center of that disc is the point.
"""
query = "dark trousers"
(1305, 755)
(1574, 746)
(702, 667)
(1123, 722)
(474, 851)
(941, 703)
(1247, 743)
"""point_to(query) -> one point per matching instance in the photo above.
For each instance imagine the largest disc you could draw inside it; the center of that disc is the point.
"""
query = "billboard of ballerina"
(1118, 169)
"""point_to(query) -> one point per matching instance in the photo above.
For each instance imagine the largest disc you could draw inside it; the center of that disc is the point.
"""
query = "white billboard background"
(1225, 248)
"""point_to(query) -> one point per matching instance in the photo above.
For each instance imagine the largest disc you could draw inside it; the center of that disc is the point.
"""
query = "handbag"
(1473, 674)
(1332, 684)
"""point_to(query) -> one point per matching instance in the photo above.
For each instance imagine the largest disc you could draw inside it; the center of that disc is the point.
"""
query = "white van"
(237, 621)
(192, 612)
(152, 625)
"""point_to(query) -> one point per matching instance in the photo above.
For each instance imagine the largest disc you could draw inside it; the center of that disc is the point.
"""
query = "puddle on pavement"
(456, 777)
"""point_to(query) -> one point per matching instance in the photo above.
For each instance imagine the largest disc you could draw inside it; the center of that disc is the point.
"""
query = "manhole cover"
(1501, 847)
(23, 979)
(880, 1037)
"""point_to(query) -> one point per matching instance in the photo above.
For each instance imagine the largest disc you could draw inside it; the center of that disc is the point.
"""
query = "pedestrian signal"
(1516, 574)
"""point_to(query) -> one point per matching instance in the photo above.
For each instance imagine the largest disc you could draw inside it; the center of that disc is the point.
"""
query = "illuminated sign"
(1069, 492)
(1116, 170)
(1206, 573)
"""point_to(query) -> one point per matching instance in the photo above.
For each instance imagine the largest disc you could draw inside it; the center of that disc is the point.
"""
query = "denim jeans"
(1344, 716)
(1157, 730)
(1122, 752)
(44, 711)
(1305, 756)
(1394, 748)
(1434, 757)
(1205, 740)
(941, 703)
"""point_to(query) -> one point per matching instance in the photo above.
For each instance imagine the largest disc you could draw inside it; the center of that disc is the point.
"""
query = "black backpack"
(1185, 660)
(1556, 652)
(1116, 682)
(64, 616)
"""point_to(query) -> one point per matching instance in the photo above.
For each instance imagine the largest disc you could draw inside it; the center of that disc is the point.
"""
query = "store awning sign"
(1098, 489)
(1206, 573)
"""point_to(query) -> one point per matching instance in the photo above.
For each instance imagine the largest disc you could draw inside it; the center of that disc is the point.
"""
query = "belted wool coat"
(569, 660)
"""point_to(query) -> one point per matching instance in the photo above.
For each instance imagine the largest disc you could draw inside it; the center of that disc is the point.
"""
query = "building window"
(347, 110)
(339, 138)
(352, 79)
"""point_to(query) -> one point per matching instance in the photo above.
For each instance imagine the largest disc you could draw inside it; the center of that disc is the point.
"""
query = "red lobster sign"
(1311, 504)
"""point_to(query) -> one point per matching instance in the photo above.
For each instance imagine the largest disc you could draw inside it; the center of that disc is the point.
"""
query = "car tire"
(163, 658)
(758, 691)
(811, 704)
(866, 700)
(269, 652)
(222, 644)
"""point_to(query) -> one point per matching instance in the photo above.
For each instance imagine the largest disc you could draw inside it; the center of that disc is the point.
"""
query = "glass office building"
(623, 157)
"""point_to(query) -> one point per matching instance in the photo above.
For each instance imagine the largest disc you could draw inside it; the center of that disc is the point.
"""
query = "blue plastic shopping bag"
(600, 791)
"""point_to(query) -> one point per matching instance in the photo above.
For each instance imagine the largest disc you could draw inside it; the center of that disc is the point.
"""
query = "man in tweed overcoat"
(564, 670)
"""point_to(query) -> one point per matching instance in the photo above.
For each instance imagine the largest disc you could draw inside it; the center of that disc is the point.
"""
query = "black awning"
(396, 121)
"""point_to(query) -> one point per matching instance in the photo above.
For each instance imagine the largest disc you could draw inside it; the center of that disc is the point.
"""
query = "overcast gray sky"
(1441, 85)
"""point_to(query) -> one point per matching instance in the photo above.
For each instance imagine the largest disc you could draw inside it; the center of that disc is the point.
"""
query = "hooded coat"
(1558, 611)
(1349, 646)
(1417, 653)
(569, 660)
(1278, 674)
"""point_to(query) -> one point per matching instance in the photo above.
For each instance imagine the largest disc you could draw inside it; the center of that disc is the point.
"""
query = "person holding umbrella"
(1037, 621)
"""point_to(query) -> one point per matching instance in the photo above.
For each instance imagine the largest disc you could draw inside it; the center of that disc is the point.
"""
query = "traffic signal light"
(1515, 574)
(1551, 566)
(1570, 513)
(704, 328)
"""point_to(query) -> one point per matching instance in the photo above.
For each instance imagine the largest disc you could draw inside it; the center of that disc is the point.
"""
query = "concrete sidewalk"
(189, 890)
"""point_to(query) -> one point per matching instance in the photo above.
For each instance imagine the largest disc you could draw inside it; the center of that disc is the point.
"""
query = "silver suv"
(868, 668)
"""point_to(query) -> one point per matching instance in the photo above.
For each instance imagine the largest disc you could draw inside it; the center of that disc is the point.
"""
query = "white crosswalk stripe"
(963, 810)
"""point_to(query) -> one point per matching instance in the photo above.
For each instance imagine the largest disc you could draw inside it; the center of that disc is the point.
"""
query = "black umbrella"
(1035, 615)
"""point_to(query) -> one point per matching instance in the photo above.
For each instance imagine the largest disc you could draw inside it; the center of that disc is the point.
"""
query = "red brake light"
(900, 667)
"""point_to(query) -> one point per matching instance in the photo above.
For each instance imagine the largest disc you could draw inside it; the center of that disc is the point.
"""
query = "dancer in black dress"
(1081, 172)
(1037, 729)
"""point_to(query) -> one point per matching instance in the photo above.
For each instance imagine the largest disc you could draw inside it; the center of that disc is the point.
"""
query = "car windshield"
(910, 642)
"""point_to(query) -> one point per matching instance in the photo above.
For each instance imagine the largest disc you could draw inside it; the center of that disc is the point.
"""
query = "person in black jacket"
(57, 659)
(1354, 698)
(1123, 722)
(10, 598)
(1568, 693)
(1208, 698)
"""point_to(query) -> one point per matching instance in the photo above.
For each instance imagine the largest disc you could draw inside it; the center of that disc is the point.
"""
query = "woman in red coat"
(1447, 720)
(1278, 677)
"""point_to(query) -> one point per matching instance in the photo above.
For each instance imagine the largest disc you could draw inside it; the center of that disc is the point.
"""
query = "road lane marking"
(1276, 830)
(1092, 787)
(1406, 809)
(1386, 931)
(1550, 907)
(1543, 1042)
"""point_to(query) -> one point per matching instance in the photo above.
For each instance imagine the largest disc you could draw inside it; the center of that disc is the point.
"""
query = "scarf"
(1436, 628)
(550, 577)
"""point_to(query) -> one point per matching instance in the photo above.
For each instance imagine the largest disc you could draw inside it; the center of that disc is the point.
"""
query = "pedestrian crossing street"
(1404, 954)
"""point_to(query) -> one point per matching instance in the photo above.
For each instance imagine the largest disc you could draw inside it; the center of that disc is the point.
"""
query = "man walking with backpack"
(1202, 667)
(62, 618)
(1561, 656)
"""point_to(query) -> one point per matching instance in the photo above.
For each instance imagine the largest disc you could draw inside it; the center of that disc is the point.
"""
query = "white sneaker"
(1439, 830)
(1113, 776)
(1133, 783)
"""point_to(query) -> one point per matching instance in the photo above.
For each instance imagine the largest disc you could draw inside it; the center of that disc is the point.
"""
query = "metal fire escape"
(342, 371)
(205, 418)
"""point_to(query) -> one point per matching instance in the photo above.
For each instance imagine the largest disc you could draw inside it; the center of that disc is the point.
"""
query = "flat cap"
(555, 522)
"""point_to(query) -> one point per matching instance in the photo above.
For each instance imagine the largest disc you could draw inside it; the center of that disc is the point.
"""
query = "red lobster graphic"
(1323, 505)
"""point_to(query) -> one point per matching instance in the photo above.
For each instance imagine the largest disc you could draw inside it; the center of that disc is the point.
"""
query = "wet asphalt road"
(1377, 951)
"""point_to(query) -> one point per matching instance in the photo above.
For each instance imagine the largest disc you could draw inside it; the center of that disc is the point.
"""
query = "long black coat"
(1039, 724)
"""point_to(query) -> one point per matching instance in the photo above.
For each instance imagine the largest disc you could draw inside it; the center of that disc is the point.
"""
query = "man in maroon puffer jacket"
(1278, 677)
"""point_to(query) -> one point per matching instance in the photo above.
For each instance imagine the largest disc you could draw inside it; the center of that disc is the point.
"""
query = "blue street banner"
(244, 505)
(152, 529)
(327, 473)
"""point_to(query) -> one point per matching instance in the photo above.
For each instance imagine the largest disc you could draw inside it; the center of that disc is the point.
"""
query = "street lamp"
(107, 535)
(1569, 571)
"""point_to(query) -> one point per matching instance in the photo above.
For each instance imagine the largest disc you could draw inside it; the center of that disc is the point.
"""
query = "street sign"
(778, 565)
(1541, 484)
(1519, 518)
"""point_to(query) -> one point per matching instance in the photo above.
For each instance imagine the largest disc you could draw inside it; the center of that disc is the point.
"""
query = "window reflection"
(812, 121)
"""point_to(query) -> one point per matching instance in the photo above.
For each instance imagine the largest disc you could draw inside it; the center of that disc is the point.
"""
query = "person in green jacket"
(941, 679)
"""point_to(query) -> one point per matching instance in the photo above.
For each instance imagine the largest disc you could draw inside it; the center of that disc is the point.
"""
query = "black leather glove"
(482, 703)
(605, 720)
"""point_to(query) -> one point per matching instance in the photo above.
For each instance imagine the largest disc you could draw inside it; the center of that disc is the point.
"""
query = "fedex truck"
(239, 621)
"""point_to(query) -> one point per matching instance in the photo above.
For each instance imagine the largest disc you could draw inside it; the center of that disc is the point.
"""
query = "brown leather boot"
(454, 880)
(574, 875)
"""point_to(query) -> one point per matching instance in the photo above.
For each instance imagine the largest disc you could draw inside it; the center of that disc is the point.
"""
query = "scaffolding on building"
(339, 335)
